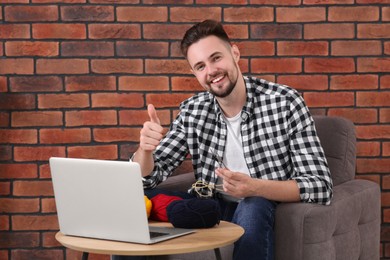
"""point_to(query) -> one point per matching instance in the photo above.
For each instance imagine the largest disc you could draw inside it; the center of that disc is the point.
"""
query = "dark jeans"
(255, 214)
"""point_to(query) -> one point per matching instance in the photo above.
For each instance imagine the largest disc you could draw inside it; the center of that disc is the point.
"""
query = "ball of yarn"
(148, 204)
(159, 206)
(194, 213)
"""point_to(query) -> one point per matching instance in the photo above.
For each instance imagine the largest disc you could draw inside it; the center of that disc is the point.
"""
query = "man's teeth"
(217, 79)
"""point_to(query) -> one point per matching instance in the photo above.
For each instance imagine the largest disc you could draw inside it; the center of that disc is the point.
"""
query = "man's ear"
(236, 52)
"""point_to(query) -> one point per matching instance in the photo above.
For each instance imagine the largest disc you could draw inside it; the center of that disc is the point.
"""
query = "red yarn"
(160, 203)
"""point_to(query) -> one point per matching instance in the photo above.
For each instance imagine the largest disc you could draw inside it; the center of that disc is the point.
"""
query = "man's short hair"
(202, 30)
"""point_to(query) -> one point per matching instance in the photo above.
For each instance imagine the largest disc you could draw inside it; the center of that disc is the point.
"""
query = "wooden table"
(224, 234)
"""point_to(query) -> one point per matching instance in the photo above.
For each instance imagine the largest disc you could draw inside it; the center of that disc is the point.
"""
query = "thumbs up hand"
(152, 131)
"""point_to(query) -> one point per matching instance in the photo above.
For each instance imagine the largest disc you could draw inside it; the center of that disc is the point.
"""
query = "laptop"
(105, 200)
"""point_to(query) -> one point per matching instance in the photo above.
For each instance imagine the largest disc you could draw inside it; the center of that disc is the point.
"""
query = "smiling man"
(262, 132)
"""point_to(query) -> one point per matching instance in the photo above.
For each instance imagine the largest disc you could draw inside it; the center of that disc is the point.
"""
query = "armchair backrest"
(338, 138)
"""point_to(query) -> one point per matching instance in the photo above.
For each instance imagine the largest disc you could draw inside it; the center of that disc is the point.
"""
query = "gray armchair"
(347, 229)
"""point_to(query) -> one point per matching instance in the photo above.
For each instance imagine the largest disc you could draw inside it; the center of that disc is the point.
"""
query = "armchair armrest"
(349, 226)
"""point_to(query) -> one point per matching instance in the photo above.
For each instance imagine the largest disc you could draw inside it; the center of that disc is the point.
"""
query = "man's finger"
(153, 114)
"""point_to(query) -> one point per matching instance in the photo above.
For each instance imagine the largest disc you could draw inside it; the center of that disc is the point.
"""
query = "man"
(262, 131)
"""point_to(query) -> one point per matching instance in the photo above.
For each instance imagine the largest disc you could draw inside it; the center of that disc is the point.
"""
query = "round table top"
(221, 235)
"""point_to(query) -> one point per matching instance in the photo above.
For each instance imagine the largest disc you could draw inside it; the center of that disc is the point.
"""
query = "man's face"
(214, 63)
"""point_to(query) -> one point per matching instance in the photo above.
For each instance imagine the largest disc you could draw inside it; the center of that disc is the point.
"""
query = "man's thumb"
(153, 114)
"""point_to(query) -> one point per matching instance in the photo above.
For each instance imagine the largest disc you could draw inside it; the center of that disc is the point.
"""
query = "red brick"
(370, 149)
(48, 240)
(87, 48)
(36, 118)
(305, 82)
(62, 66)
(16, 66)
(48, 205)
(84, 118)
(5, 188)
(256, 48)
(167, 66)
(385, 82)
(14, 1)
(4, 119)
(386, 14)
(356, 115)
(276, 65)
(387, 48)
(38, 153)
(300, 14)
(369, 132)
(33, 188)
(298, 48)
(107, 66)
(356, 48)
(166, 100)
(329, 31)
(276, 2)
(364, 99)
(237, 31)
(19, 239)
(373, 31)
(63, 136)
(248, 14)
(28, 48)
(117, 134)
(329, 99)
(143, 83)
(354, 82)
(103, 152)
(59, 31)
(90, 83)
(353, 13)
(186, 84)
(114, 31)
(194, 14)
(142, 49)
(324, 2)
(17, 101)
(63, 100)
(37, 222)
(138, 117)
(5, 153)
(20, 13)
(386, 148)
(4, 225)
(164, 31)
(15, 205)
(118, 100)
(276, 31)
(373, 64)
(142, 14)
(373, 165)
(329, 65)
(14, 31)
(36, 84)
(44, 171)
(207, 2)
(384, 115)
(156, 2)
(87, 13)
(18, 136)
(15, 171)
(37, 254)
(60, 1)
(3, 84)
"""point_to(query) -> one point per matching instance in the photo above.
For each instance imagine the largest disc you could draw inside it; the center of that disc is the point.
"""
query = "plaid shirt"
(278, 137)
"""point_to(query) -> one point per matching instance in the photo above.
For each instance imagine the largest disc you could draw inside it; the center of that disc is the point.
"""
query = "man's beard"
(228, 89)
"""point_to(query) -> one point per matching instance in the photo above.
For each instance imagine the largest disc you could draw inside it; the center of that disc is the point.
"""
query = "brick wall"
(76, 75)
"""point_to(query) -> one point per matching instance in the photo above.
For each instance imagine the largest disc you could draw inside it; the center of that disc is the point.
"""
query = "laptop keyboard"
(154, 234)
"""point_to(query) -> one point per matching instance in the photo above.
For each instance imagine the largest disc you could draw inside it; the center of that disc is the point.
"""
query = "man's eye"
(217, 58)
(199, 68)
